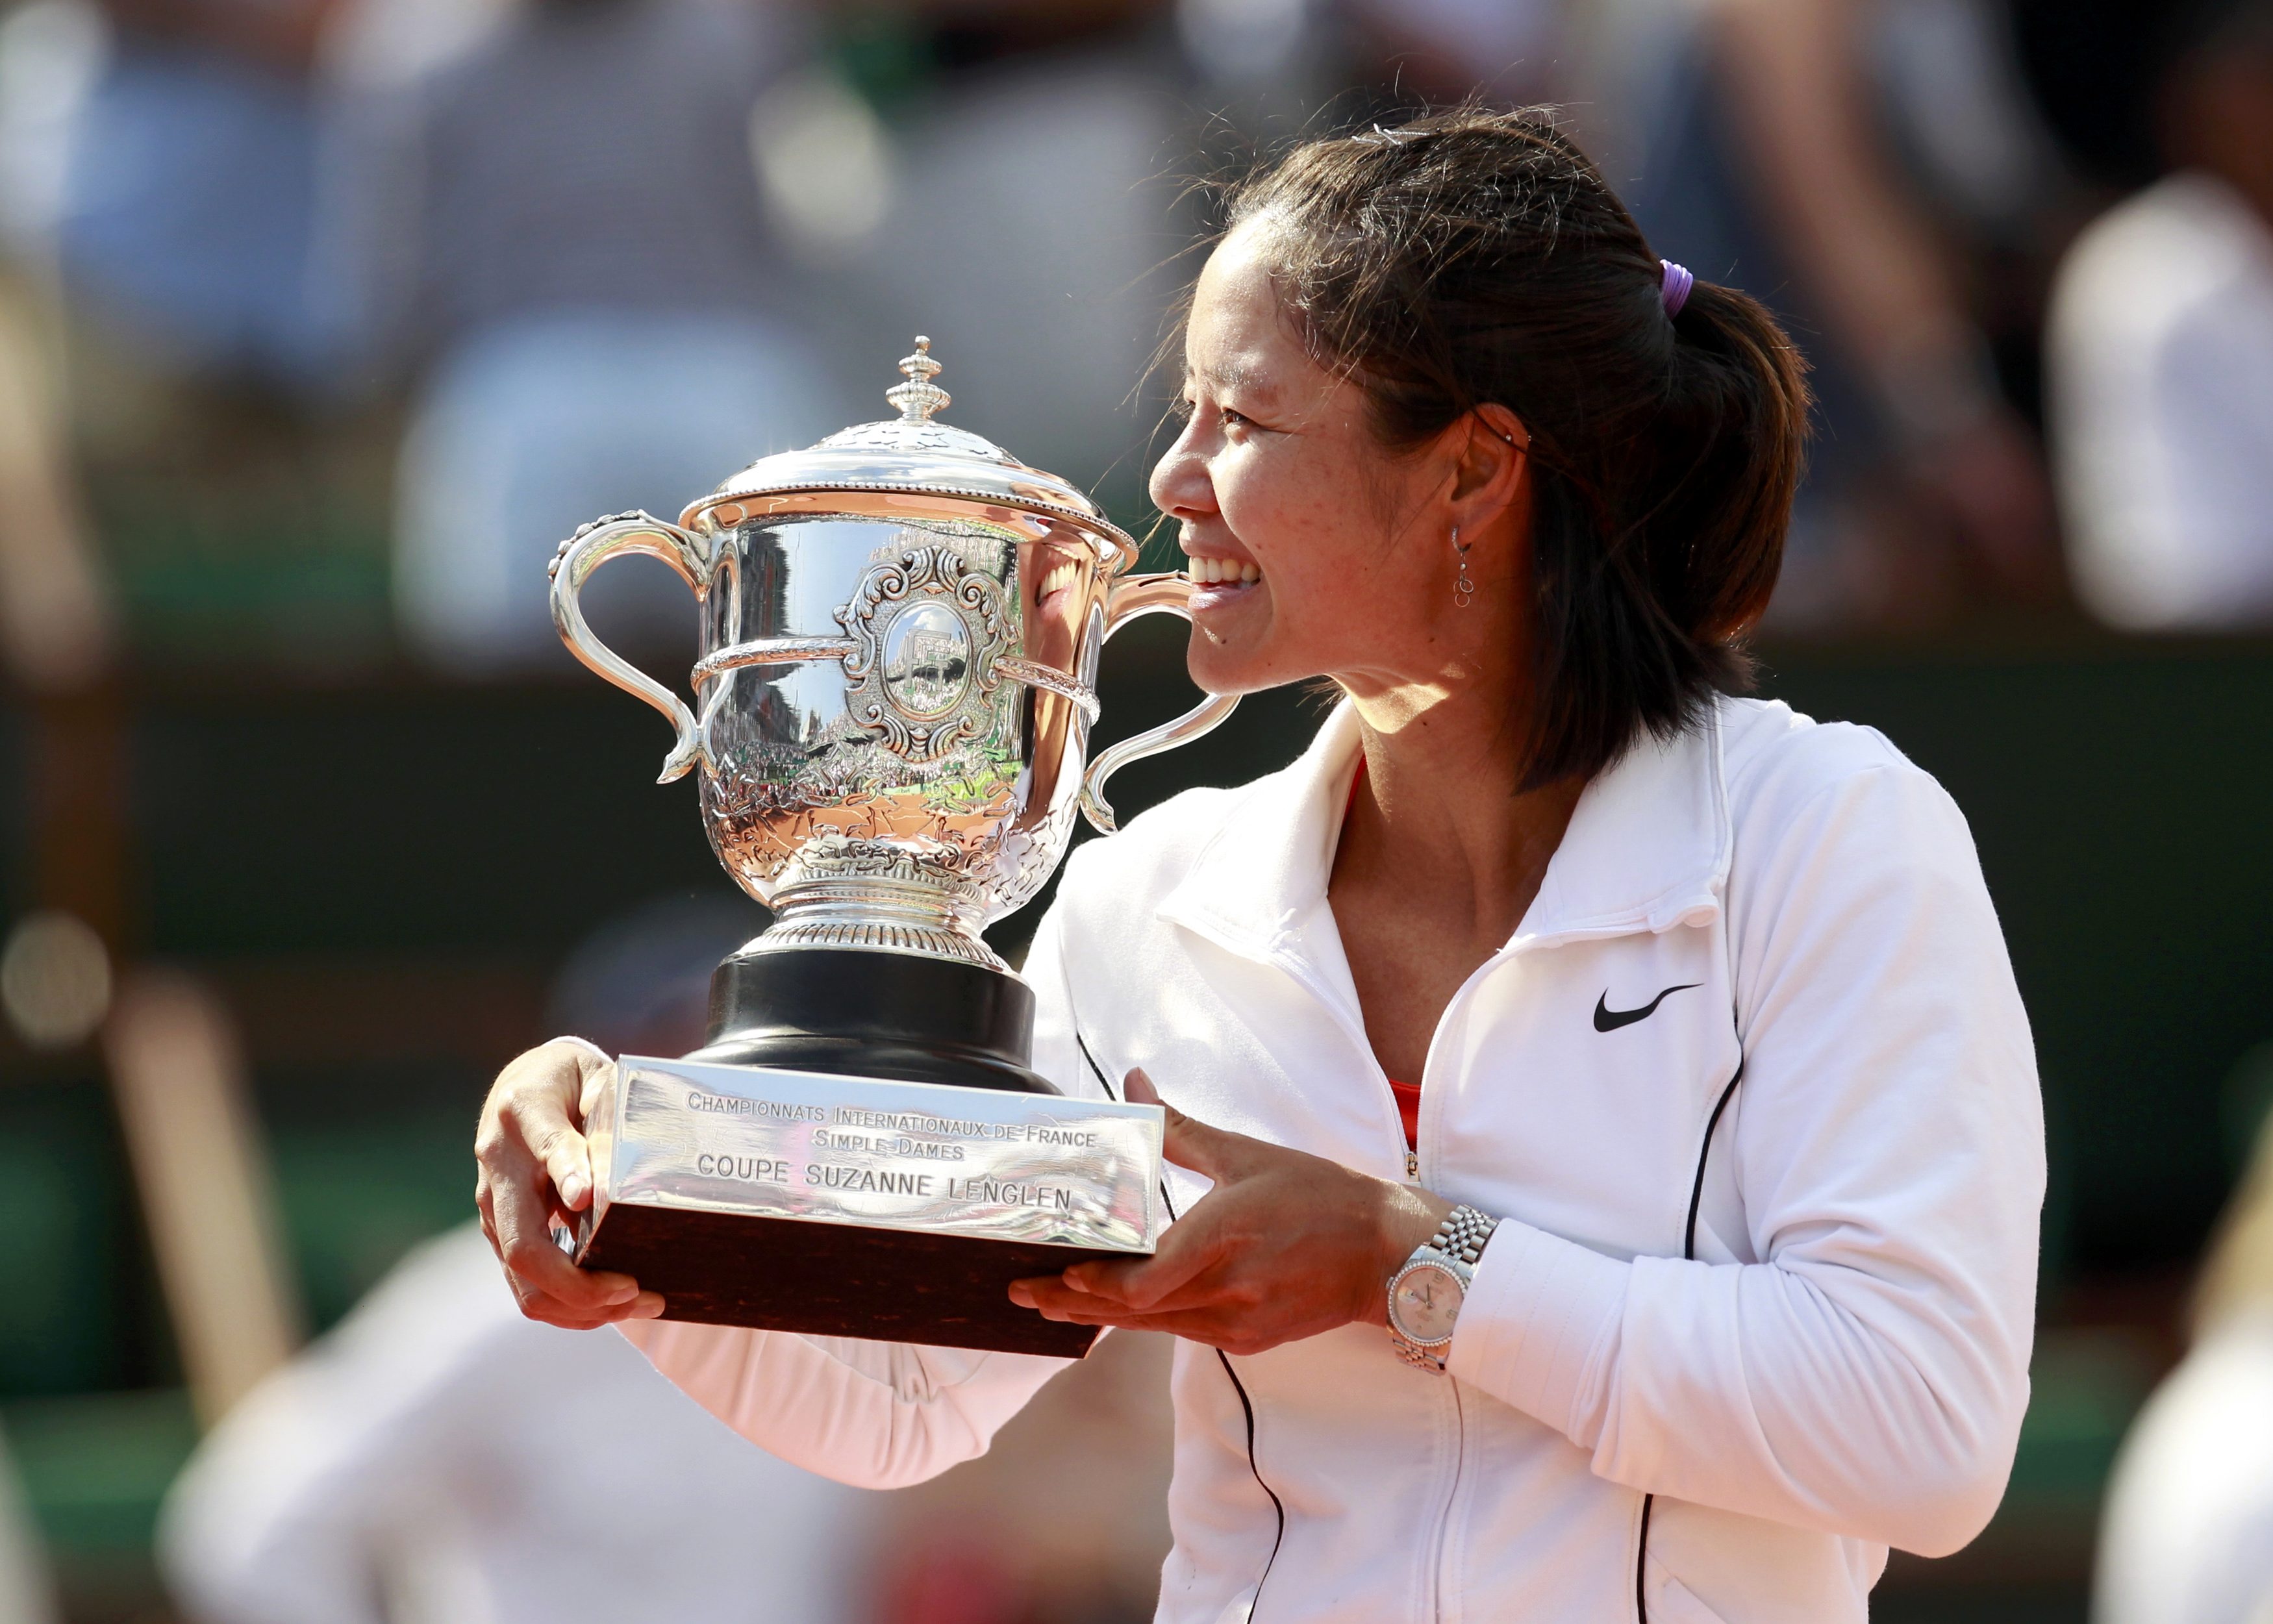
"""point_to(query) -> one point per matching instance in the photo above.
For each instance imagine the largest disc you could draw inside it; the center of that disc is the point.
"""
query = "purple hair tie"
(1674, 290)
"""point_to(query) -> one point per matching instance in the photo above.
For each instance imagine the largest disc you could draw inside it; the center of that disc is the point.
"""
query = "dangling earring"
(1464, 590)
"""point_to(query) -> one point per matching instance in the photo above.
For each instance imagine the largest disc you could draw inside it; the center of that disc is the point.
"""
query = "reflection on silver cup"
(926, 661)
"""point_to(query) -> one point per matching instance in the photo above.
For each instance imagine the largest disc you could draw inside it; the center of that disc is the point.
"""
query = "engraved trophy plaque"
(901, 628)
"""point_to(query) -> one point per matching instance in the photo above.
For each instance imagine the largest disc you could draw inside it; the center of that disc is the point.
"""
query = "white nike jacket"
(1760, 1305)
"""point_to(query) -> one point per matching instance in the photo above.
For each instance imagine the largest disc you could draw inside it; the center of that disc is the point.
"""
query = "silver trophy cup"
(900, 634)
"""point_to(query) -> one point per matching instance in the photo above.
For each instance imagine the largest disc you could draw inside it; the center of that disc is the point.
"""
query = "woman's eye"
(1186, 408)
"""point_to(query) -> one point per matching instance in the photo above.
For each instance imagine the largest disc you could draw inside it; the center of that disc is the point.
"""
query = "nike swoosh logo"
(1608, 1020)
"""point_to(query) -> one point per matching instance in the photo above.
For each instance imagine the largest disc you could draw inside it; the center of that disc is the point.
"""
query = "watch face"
(1427, 1302)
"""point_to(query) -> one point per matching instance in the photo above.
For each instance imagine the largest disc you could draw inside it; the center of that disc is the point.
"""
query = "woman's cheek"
(1278, 515)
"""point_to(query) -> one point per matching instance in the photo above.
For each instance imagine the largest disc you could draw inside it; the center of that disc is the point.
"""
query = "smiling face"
(1320, 551)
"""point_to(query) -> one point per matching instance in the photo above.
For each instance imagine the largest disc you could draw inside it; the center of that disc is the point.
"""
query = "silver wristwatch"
(1425, 1296)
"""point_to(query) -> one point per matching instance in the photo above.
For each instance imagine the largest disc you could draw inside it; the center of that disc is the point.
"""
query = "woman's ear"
(1487, 476)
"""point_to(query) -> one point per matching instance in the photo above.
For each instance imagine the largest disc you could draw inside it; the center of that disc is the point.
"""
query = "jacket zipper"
(1295, 968)
(1437, 1579)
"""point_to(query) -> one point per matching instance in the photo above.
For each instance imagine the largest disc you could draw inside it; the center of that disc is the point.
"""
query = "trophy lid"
(913, 454)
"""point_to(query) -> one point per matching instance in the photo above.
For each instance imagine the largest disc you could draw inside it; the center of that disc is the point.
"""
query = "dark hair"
(1475, 257)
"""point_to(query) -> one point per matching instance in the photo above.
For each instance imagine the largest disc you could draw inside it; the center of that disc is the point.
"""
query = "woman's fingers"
(553, 1311)
(538, 1113)
(1141, 1285)
(534, 1163)
(1215, 1325)
(1185, 1252)
(1176, 1275)
(1055, 1299)
(1214, 1152)
(537, 1265)
(568, 1163)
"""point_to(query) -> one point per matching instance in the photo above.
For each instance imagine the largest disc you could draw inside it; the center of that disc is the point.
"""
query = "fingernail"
(572, 1191)
(1075, 1282)
(1020, 1295)
(620, 1294)
(649, 1306)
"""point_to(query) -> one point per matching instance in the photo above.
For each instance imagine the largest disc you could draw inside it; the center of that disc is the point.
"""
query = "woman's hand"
(534, 1164)
(1287, 1245)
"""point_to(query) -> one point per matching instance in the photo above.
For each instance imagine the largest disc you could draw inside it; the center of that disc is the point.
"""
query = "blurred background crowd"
(322, 321)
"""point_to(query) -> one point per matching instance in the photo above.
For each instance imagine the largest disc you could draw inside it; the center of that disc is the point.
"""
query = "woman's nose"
(1180, 486)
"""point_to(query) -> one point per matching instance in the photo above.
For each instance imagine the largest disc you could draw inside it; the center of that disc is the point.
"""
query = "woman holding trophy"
(1606, 1140)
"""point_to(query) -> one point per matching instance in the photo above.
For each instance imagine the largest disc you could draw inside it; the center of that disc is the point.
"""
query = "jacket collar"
(1647, 848)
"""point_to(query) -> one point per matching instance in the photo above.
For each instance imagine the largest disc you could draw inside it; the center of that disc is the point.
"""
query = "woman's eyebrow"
(1237, 375)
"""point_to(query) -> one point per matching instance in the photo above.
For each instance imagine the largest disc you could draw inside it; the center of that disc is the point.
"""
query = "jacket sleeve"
(1867, 1375)
(872, 1414)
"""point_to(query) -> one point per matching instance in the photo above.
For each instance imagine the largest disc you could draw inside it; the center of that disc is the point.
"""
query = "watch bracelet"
(1462, 1235)
(1414, 1355)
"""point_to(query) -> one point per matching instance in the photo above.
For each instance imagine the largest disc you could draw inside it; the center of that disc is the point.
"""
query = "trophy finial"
(918, 397)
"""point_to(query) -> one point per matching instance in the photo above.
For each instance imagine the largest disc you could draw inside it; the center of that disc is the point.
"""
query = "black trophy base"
(837, 1279)
(865, 1014)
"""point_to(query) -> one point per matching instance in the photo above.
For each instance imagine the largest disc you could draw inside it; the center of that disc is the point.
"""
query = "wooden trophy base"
(837, 1279)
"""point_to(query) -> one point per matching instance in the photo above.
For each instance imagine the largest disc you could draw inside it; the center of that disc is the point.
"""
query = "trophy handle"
(587, 551)
(1131, 598)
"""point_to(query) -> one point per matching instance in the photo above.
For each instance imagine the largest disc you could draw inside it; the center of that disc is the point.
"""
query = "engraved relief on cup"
(928, 627)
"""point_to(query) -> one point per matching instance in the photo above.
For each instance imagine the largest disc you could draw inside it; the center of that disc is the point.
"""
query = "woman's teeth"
(1060, 577)
(1221, 572)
